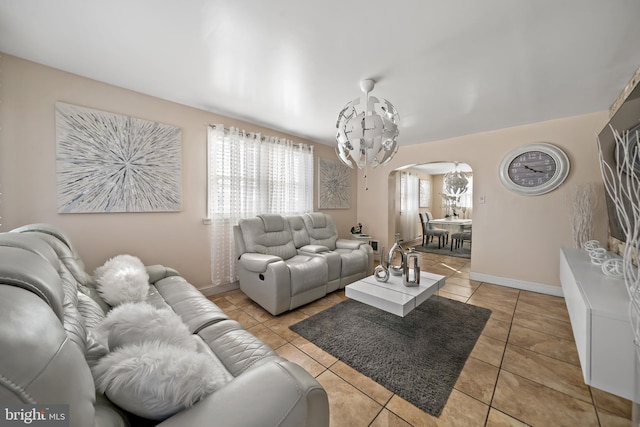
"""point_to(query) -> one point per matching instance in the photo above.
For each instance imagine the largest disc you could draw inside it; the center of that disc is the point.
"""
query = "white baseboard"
(518, 284)
(480, 277)
(214, 290)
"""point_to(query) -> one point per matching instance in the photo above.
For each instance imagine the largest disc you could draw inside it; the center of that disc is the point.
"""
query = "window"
(409, 206)
(249, 175)
(466, 200)
(463, 207)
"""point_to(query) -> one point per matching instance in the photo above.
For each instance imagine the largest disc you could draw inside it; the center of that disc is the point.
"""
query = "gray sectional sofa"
(48, 305)
(288, 261)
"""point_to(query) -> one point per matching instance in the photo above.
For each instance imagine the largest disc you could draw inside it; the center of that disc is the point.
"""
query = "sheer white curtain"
(466, 201)
(249, 175)
(409, 197)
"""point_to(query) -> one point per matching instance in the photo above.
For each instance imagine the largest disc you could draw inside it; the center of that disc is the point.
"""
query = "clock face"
(532, 169)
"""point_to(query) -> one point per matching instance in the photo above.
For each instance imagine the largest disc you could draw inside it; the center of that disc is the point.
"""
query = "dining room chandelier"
(367, 130)
(455, 184)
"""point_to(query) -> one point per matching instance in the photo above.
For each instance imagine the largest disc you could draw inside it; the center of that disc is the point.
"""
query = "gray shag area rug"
(419, 357)
(432, 247)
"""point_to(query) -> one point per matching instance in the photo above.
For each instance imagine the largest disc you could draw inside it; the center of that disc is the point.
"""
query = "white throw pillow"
(156, 380)
(137, 322)
(121, 279)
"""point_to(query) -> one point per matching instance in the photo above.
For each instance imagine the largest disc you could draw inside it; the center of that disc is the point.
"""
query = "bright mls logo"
(34, 415)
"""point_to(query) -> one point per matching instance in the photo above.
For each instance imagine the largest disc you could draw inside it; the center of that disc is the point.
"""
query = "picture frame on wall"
(108, 163)
(425, 193)
(334, 185)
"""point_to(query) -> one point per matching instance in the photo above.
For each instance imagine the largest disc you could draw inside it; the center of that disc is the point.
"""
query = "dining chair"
(429, 231)
(458, 238)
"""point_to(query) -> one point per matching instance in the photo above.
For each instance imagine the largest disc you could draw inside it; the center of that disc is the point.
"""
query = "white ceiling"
(450, 67)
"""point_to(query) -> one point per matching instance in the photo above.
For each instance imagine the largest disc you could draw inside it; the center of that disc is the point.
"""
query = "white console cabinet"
(599, 310)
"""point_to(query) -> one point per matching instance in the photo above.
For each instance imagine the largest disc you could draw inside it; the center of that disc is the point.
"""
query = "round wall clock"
(534, 169)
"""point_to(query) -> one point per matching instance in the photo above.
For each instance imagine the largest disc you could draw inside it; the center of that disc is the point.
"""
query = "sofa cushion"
(278, 242)
(236, 348)
(30, 243)
(321, 229)
(38, 359)
(25, 269)
(63, 247)
(272, 222)
(50, 230)
(317, 219)
(157, 272)
(155, 380)
(353, 261)
(195, 310)
(307, 273)
(155, 298)
(298, 231)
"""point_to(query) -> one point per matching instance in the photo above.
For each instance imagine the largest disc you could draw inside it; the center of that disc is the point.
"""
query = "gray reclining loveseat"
(48, 305)
(286, 262)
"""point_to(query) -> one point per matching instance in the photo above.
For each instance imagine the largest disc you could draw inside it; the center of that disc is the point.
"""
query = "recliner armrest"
(158, 272)
(257, 263)
(313, 249)
(348, 244)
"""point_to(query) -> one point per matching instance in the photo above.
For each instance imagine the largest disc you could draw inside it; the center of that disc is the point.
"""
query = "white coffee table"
(392, 296)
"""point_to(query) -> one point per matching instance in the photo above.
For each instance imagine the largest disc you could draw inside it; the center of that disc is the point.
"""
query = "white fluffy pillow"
(155, 379)
(136, 322)
(121, 279)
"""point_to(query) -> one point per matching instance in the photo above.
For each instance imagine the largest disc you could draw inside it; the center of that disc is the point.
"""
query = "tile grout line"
(500, 369)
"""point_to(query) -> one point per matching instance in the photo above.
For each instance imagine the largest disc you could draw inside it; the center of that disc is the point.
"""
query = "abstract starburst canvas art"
(334, 185)
(114, 163)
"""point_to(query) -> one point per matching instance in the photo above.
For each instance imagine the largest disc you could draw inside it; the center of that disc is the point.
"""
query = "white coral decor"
(121, 279)
(582, 213)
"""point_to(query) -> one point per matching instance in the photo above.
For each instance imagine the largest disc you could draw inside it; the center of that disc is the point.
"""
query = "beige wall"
(436, 206)
(28, 178)
(517, 239)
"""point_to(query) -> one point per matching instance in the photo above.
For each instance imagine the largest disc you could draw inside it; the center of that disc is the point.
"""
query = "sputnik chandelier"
(456, 183)
(367, 130)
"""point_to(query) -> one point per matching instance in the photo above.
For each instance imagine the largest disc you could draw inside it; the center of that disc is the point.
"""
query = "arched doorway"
(420, 189)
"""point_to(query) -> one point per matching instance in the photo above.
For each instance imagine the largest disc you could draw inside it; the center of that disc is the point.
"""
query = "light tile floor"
(524, 369)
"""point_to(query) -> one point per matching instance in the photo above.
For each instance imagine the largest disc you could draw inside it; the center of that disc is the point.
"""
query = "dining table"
(454, 225)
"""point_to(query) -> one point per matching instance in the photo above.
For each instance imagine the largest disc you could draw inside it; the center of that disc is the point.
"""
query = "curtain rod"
(227, 129)
(262, 137)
